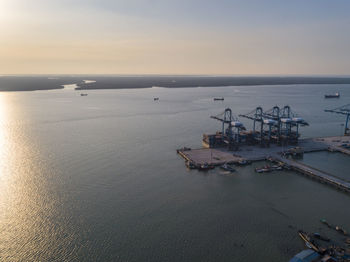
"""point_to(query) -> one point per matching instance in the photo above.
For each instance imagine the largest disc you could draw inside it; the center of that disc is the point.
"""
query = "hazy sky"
(175, 37)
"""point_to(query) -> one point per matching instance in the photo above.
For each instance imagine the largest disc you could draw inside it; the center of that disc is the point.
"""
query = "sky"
(221, 37)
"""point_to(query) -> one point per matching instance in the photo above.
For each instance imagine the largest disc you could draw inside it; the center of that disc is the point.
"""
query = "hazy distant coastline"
(32, 83)
(200, 81)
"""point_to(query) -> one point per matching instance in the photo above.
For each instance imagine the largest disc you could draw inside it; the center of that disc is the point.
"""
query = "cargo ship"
(219, 99)
(336, 95)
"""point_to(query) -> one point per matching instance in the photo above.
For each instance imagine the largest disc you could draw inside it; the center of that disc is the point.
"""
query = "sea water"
(97, 177)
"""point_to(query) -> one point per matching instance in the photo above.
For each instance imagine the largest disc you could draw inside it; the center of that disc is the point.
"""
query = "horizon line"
(183, 75)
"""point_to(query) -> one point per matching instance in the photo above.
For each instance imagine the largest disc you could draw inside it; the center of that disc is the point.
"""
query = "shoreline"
(35, 83)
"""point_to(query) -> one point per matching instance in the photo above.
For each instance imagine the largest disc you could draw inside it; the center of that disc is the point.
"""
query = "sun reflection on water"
(3, 134)
(30, 226)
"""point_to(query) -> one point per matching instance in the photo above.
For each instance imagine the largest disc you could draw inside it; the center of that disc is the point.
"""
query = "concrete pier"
(209, 155)
(218, 156)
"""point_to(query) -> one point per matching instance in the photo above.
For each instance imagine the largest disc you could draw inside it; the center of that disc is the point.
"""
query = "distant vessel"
(219, 99)
(156, 98)
(336, 95)
(83, 94)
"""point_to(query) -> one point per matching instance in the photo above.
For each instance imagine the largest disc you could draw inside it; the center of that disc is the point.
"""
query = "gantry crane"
(279, 122)
(231, 127)
(343, 110)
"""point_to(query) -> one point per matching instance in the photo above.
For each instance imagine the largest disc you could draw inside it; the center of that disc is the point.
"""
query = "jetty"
(339, 149)
(315, 173)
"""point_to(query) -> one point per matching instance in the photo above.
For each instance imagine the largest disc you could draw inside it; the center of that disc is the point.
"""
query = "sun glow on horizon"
(174, 37)
(6, 9)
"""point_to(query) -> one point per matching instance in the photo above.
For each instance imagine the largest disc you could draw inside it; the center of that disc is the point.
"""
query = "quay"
(219, 156)
(274, 137)
(275, 153)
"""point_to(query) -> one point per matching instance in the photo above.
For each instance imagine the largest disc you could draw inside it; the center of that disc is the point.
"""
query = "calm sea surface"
(97, 178)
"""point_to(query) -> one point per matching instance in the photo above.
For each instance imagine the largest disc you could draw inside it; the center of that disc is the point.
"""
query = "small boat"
(219, 99)
(83, 94)
(227, 167)
(341, 230)
(277, 167)
(308, 242)
(337, 228)
(318, 236)
(243, 162)
(305, 256)
(190, 165)
(287, 167)
(205, 166)
(264, 169)
(324, 221)
(156, 98)
(336, 95)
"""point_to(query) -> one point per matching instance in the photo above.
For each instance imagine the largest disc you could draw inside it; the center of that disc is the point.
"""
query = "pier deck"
(210, 156)
(217, 156)
(335, 143)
